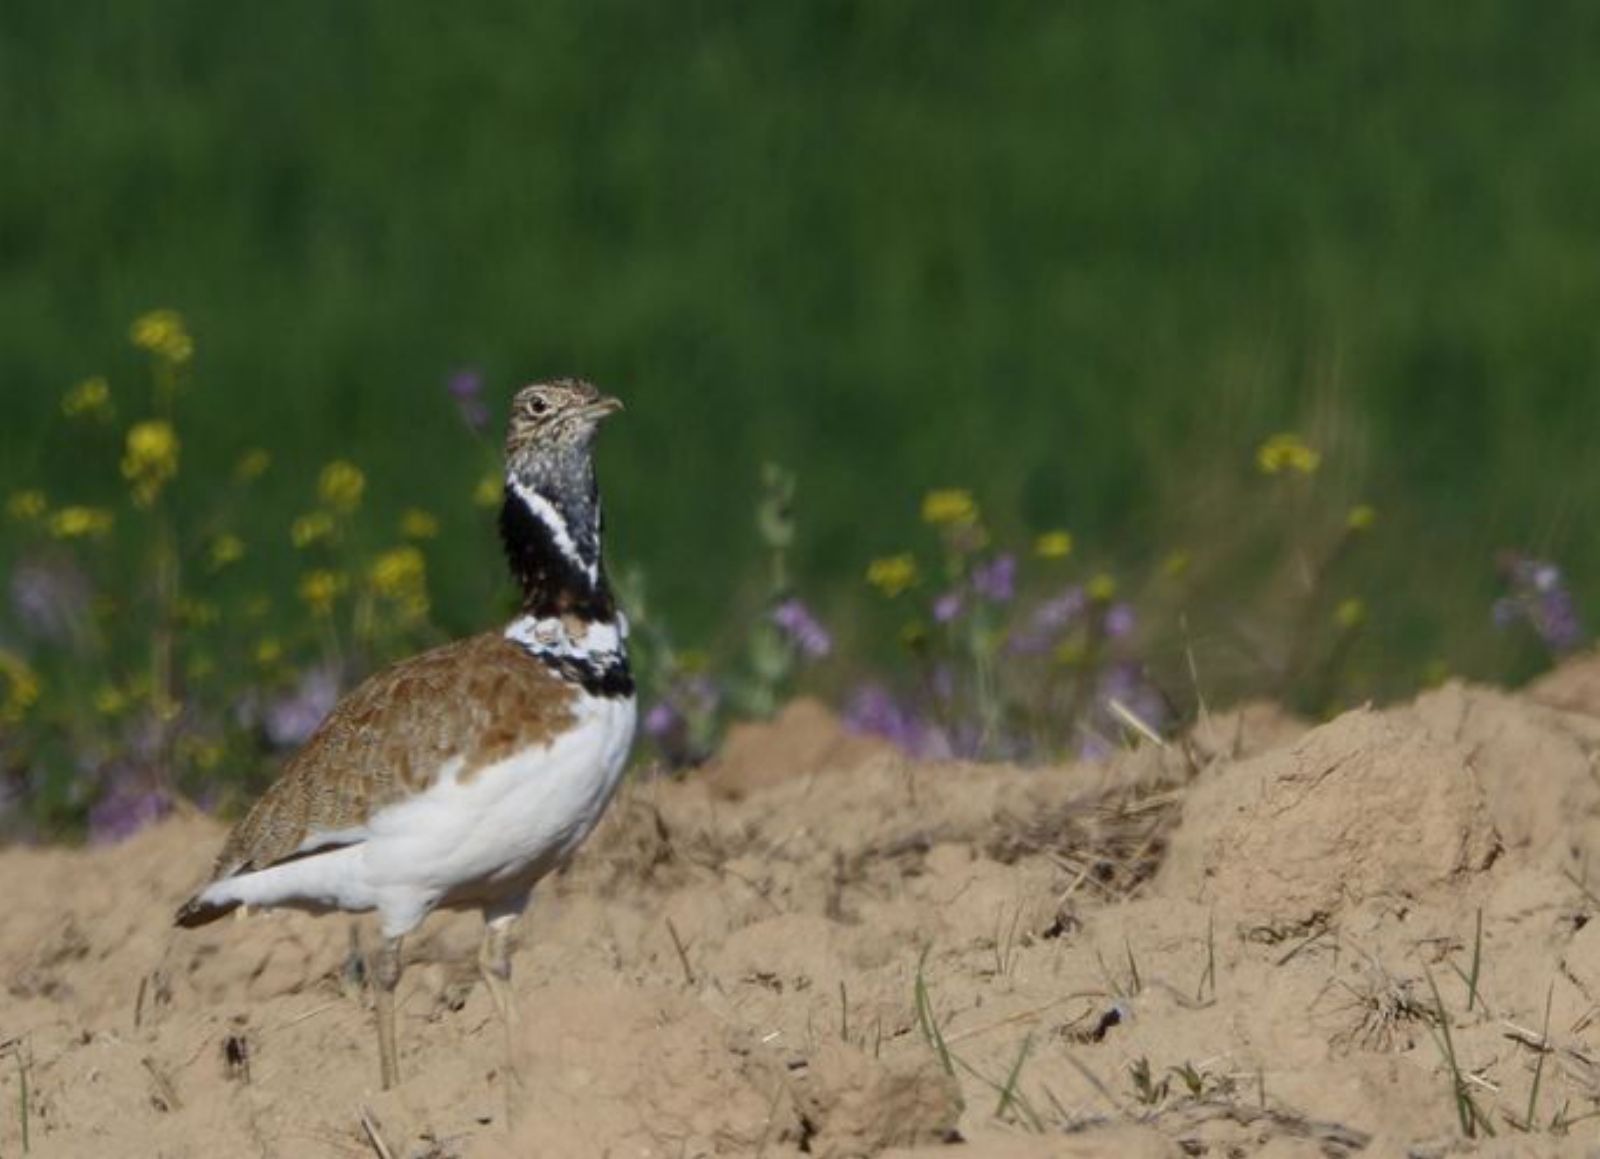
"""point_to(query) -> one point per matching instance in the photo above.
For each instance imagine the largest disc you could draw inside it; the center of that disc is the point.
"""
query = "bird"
(462, 776)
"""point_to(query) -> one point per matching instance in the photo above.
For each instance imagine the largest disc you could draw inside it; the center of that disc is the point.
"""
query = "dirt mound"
(1536, 765)
(803, 739)
(1255, 727)
(1249, 943)
(1572, 687)
(1362, 807)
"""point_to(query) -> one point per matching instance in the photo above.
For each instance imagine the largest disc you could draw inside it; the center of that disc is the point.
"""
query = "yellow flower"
(310, 529)
(150, 460)
(399, 571)
(163, 334)
(395, 570)
(401, 576)
(225, 549)
(1287, 451)
(319, 589)
(91, 398)
(21, 688)
(1053, 545)
(1176, 564)
(893, 574)
(1103, 587)
(207, 755)
(949, 506)
(78, 522)
(1070, 653)
(26, 506)
(109, 700)
(1351, 613)
(416, 523)
(489, 491)
(268, 651)
(1361, 517)
(341, 485)
(252, 465)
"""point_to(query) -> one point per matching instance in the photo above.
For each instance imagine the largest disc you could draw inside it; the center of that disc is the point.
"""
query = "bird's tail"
(197, 911)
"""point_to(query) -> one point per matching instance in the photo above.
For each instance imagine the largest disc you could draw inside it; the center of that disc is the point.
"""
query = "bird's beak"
(601, 407)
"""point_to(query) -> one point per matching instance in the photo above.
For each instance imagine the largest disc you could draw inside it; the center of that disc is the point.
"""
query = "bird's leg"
(494, 963)
(386, 976)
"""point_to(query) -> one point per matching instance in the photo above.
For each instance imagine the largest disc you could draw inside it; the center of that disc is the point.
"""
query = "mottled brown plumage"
(478, 700)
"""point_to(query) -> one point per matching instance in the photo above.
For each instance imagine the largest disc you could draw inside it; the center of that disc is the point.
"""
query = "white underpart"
(525, 814)
(548, 636)
(552, 518)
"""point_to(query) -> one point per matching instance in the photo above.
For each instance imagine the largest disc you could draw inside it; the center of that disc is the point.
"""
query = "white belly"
(493, 833)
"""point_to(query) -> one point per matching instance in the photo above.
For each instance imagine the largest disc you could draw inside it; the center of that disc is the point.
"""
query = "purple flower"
(1539, 597)
(465, 384)
(1557, 618)
(466, 387)
(662, 720)
(947, 607)
(804, 631)
(682, 722)
(290, 720)
(873, 710)
(1125, 684)
(128, 803)
(1094, 747)
(997, 580)
(669, 729)
(1048, 621)
(1119, 621)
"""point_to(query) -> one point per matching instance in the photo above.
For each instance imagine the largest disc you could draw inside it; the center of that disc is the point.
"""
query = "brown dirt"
(1228, 947)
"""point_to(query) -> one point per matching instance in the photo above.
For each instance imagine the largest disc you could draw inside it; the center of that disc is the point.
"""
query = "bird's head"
(551, 419)
(551, 519)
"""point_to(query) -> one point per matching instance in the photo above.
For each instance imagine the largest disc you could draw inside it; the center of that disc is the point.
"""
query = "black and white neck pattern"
(591, 654)
(550, 523)
(574, 535)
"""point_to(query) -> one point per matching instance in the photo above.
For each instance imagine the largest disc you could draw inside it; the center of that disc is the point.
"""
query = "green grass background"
(1079, 257)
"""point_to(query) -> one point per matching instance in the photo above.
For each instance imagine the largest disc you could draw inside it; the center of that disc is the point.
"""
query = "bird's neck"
(550, 524)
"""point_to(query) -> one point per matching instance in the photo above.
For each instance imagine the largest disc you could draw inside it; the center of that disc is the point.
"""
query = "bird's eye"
(538, 406)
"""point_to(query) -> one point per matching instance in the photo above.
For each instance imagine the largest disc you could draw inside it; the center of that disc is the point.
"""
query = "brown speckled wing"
(480, 699)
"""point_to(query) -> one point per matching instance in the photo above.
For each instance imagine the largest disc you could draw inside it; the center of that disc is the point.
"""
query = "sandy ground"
(1229, 947)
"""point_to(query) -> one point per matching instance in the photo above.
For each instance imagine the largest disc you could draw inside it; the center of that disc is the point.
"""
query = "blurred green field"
(1079, 258)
